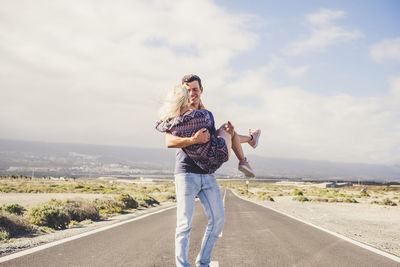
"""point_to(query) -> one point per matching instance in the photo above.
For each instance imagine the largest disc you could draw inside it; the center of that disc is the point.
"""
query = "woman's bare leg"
(252, 138)
(237, 147)
(244, 138)
(233, 141)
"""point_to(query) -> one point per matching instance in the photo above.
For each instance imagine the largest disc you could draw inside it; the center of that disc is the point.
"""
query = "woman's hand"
(229, 128)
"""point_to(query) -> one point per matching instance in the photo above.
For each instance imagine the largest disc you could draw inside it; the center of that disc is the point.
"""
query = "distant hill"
(298, 168)
(99, 158)
(143, 157)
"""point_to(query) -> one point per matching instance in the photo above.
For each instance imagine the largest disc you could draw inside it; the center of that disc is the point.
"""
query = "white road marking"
(220, 235)
(58, 242)
(375, 250)
(224, 197)
(214, 264)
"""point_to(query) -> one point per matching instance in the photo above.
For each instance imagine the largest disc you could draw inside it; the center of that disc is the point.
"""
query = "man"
(192, 181)
(195, 89)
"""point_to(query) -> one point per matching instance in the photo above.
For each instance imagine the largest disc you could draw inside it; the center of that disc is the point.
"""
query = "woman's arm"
(200, 137)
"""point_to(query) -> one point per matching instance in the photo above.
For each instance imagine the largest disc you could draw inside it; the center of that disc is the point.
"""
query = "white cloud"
(386, 50)
(324, 16)
(300, 124)
(394, 93)
(92, 72)
(324, 33)
(297, 71)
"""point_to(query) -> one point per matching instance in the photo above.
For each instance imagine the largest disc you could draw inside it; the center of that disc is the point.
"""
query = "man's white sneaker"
(254, 140)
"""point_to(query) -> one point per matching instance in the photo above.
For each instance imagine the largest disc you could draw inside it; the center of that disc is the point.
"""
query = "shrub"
(4, 235)
(108, 206)
(240, 191)
(145, 200)
(153, 189)
(12, 225)
(350, 200)
(297, 192)
(80, 210)
(318, 199)
(49, 215)
(261, 195)
(165, 197)
(13, 209)
(364, 194)
(127, 201)
(388, 202)
(301, 199)
(387, 188)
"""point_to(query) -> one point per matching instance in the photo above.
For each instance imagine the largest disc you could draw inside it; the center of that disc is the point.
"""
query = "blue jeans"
(205, 186)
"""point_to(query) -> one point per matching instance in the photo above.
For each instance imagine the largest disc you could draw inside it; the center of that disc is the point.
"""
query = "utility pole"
(33, 173)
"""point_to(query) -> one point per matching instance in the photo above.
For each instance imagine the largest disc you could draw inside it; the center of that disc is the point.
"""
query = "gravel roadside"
(375, 225)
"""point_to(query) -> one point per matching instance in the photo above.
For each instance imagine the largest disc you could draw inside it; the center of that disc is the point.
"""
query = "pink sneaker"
(255, 135)
(244, 167)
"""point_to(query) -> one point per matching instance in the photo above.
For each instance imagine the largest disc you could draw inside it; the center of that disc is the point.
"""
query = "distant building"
(338, 185)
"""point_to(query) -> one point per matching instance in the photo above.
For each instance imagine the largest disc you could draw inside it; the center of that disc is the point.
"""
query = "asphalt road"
(252, 236)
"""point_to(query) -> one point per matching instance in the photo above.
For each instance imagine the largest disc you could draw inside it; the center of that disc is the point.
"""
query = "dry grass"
(384, 195)
(119, 196)
(12, 225)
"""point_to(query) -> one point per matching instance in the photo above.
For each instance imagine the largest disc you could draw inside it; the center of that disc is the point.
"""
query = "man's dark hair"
(191, 78)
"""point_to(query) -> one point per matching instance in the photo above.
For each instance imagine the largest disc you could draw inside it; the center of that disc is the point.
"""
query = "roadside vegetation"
(119, 197)
(308, 192)
(126, 197)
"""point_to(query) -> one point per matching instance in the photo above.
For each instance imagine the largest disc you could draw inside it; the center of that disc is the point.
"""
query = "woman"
(179, 120)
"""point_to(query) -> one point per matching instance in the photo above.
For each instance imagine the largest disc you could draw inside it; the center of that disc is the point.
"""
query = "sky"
(321, 79)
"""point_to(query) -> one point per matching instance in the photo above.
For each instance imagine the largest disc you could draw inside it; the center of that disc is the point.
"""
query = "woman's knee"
(222, 128)
(223, 133)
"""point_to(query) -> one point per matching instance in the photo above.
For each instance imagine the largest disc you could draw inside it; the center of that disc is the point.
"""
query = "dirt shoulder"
(30, 199)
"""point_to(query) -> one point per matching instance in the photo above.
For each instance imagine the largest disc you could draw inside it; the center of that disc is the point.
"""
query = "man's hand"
(201, 136)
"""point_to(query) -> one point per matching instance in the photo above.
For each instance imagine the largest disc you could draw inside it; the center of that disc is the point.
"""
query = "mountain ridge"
(42, 154)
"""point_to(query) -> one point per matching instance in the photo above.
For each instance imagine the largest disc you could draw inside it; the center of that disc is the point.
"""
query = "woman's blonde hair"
(177, 97)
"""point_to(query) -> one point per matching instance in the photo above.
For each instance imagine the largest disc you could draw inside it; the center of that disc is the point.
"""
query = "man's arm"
(201, 136)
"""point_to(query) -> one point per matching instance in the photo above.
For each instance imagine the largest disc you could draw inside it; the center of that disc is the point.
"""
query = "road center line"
(224, 197)
(214, 264)
(220, 235)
